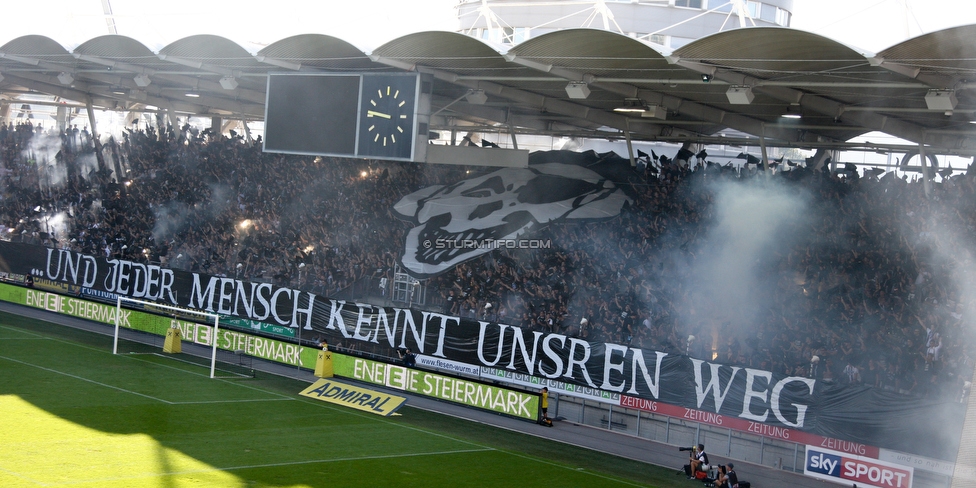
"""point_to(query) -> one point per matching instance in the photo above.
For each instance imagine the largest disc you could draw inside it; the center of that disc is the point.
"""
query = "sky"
(874, 25)
(252, 24)
(871, 25)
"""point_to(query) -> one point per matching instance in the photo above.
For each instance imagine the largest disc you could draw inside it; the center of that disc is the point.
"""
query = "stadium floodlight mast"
(176, 310)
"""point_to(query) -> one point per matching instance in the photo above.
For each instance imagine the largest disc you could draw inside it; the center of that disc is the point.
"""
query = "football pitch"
(73, 414)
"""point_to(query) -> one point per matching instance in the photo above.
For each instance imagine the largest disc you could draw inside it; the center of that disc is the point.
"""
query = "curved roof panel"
(318, 50)
(772, 49)
(783, 66)
(121, 48)
(952, 48)
(444, 50)
(839, 91)
(39, 47)
(211, 49)
(600, 53)
(115, 46)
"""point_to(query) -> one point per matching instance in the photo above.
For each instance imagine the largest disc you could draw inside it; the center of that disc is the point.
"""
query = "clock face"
(386, 116)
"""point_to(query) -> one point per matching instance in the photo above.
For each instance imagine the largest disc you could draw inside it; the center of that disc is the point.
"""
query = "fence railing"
(721, 441)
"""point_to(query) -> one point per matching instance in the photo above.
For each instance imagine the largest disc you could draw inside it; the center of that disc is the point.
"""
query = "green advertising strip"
(230, 340)
(255, 325)
(470, 393)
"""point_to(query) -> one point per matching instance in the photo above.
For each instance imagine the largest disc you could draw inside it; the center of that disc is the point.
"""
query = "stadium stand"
(862, 284)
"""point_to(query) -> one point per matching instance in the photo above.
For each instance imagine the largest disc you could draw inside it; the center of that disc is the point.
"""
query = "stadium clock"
(387, 115)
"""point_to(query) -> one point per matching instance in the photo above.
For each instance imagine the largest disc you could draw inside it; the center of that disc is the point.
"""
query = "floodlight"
(577, 90)
(65, 78)
(941, 100)
(655, 112)
(740, 95)
(632, 105)
(476, 97)
(228, 83)
(706, 77)
(142, 80)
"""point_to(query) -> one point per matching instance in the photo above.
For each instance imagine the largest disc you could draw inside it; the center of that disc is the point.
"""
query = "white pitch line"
(321, 405)
(86, 379)
(18, 475)
(360, 458)
(135, 358)
(102, 351)
(237, 401)
(273, 465)
(52, 339)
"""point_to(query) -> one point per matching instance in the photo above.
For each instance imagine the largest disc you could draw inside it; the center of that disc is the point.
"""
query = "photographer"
(409, 358)
(722, 479)
(732, 479)
(698, 460)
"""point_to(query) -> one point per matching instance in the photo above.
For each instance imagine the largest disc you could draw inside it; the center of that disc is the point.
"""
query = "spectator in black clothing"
(409, 358)
(732, 477)
(858, 287)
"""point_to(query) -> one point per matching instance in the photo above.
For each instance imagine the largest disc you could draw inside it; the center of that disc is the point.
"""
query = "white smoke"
(169, 219)
(43, 149)
(730, 280)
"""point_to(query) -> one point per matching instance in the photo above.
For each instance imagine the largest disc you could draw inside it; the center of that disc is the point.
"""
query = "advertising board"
(839, 467)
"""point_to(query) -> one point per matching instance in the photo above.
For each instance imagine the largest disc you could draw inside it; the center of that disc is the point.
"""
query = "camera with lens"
(688, 448)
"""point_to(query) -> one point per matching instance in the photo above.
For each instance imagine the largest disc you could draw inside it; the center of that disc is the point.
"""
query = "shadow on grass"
(269, 436)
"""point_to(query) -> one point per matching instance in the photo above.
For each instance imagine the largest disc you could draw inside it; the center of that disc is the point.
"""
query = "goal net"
(146, 333)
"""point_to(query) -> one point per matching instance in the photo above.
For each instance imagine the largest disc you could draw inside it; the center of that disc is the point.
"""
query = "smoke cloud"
(730, 270)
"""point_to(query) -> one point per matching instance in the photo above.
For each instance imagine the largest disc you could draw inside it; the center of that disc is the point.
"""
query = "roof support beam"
(49, 85)
(279, 63)
(118, 65)
(930, 80)
(686, 107)
(252, 96)
(198, 65)
(37, 62)
(482, 112)
(699, 82)
(81, 92)
(549, 104)
(203, 104)
(833, 108)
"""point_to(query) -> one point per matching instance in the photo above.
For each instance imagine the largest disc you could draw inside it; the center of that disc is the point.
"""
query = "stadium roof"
(919, 90)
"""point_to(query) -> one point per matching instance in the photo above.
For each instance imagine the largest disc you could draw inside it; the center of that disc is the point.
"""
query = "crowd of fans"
(872, 287)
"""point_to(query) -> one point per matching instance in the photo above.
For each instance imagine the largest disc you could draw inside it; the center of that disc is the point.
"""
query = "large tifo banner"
(763, 400)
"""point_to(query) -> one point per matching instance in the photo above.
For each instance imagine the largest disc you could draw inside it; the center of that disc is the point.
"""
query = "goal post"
(197, 316)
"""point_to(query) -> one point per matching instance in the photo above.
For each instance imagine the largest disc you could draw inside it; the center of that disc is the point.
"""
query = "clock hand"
(372, 113)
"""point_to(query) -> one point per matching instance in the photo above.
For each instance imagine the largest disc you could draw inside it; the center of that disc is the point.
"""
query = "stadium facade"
(669, 23)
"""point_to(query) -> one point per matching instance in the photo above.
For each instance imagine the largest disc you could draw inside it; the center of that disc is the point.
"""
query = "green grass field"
(73, 414)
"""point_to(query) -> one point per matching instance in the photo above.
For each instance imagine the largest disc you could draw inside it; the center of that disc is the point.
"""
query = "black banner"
(871, 416)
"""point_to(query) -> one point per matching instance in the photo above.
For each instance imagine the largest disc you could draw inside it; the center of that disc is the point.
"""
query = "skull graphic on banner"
(458, 222)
